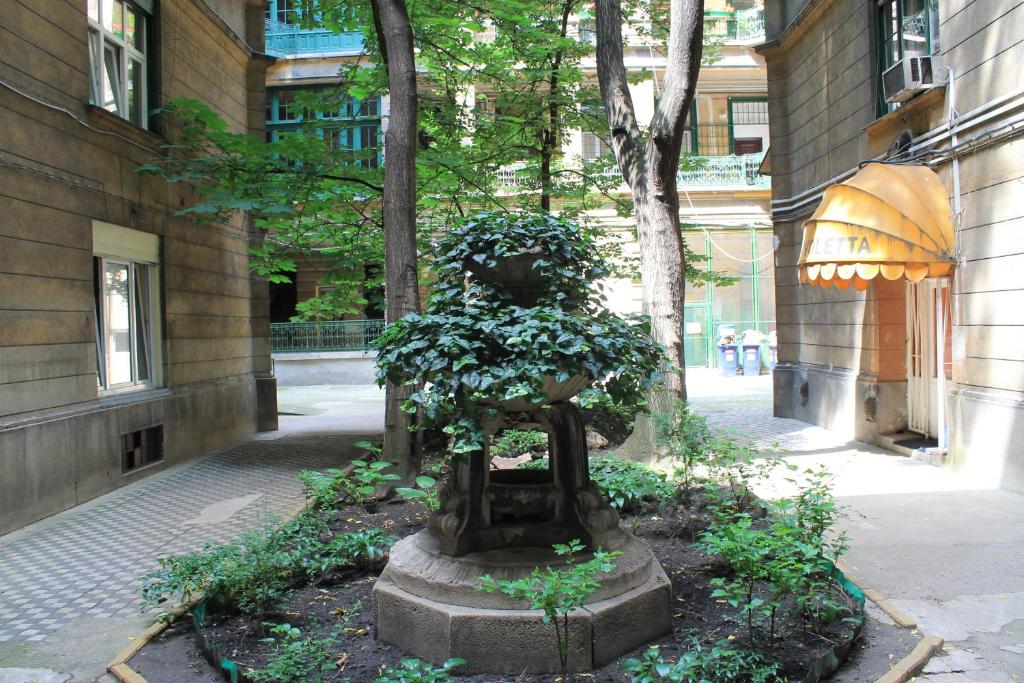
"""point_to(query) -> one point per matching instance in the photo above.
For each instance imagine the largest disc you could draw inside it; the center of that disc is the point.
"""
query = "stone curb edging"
(893, 612)
(910, 665)
(119, 668)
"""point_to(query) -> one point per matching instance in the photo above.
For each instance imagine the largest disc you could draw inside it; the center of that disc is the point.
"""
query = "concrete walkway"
(943, 551)
(69, 584)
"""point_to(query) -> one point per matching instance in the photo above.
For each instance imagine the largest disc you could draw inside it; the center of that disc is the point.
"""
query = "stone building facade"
(130, 339)
(861, 361)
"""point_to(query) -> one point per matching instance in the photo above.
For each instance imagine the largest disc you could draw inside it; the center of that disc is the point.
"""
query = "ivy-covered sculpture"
(514, 329)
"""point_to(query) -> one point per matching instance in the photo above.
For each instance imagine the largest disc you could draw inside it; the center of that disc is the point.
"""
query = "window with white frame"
(126, 298)
(118, 31)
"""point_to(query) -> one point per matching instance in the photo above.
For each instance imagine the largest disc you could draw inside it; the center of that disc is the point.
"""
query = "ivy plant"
(477, 345)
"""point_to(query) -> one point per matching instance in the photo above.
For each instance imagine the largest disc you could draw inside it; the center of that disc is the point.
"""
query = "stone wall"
(65, 164)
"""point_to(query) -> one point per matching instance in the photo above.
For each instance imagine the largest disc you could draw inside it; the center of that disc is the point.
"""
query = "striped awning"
(888, 219)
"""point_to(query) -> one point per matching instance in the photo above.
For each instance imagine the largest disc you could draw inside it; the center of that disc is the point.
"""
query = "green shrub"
(719, 663)
(476, 345)
(625, 484)
(296, 658)
(252, 573)
(425, 491)
(511, 443)
(685, 434)
(783, 560)
(358, 486)
(415, 671)
(558, 591)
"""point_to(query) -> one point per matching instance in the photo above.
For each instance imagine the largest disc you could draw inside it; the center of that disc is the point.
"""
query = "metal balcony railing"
(725, 171)
(335, 335)
(741, 25)
(290, 39)
(730, 171)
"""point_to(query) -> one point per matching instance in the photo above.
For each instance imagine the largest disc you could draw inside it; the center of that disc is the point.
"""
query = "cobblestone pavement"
(86, 562)
(69, 584)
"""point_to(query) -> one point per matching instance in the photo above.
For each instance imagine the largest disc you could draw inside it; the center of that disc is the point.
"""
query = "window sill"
(107, 122)
(914, 107)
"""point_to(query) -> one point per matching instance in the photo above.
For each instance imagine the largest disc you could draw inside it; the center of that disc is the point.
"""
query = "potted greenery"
(514, 322)
(513, 330)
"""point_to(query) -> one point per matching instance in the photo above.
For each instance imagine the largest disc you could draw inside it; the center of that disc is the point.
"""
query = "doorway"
(928, 362)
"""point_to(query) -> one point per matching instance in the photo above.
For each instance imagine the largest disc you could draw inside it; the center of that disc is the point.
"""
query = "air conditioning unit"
(909, 76)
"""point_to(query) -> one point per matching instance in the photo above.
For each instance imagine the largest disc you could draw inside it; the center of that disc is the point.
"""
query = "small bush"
(251, 574)
(719, 663)
(625, 484)
(415, 671)
(685, 434)
(296, 658)
(512, 443)
(781, 562)
(357, 487)
(558, 591)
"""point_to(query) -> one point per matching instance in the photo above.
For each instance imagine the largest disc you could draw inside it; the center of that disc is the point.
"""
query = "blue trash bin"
(773, 356)
(752, 359)
(728, 359)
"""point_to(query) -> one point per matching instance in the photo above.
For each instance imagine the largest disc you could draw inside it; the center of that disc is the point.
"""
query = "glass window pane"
(94, 10)
(135, 74)
(142, 321)
(117, 324)
(111, 95)
(117, 19)
(133, 29)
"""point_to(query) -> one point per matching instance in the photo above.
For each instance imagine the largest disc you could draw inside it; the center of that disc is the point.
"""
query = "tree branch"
(618, 103)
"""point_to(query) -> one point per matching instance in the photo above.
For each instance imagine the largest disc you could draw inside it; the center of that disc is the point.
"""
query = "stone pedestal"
(428, 604)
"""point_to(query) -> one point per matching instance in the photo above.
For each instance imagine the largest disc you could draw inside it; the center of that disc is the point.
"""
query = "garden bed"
(345, 598)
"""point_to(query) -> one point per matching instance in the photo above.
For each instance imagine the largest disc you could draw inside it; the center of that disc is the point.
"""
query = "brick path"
(86, 562)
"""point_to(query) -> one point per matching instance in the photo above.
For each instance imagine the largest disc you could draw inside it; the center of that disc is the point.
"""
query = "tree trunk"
(649, 165)
(401, 282)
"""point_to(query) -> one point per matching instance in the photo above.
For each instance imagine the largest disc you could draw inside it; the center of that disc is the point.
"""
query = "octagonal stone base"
(428, 604)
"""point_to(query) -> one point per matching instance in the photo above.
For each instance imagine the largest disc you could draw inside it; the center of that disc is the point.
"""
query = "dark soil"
(320, 609)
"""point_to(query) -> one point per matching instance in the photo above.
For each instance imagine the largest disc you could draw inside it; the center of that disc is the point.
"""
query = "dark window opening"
(141, 448)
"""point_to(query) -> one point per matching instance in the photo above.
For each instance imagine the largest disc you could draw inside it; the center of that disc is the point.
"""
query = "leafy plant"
(684, 432)
(358, 486)
(783, 560)
(625, 484)
(365, 549)
(296, 657)
(719, 663)
(415, 671)
(425, 490)
(478, 345)
(250, 574)
(558, 591)
(514, 442)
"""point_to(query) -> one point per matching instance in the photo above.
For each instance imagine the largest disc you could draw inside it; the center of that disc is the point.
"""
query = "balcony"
(726, 172)
(741, 26)
(733, 171)
(284, 39)
(334, 335)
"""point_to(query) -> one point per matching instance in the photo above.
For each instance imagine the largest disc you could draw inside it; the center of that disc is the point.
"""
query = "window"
(594, 147)
(118, 31)
(348, 126)
(906, 28)
(126, 298)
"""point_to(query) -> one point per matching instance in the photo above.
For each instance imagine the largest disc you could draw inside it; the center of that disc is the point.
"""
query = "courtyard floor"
(949, 556)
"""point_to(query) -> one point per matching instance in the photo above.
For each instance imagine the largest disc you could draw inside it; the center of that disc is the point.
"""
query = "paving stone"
(86, 561)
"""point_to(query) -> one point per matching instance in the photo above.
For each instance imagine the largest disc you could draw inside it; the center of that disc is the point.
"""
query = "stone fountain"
(503, 523)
